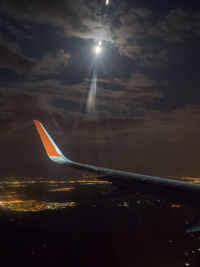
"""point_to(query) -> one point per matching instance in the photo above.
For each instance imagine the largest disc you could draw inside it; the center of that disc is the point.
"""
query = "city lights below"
(14, 193)
(64, 189)
(34, 205)
(89, 182)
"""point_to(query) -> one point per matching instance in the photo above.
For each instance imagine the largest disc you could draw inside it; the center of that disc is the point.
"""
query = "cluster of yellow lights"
(28, 182)
(175, 206)
(63, 189)
(193, 180)
(89, 182)
(11, 199)
(34, 205)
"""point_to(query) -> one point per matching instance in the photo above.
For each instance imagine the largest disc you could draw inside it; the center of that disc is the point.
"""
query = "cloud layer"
(127, 30)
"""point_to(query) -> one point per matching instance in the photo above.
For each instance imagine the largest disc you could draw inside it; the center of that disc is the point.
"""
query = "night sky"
(146, 120)
(147, 103)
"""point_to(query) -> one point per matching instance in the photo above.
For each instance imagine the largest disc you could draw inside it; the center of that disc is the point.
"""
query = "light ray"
(91, 101)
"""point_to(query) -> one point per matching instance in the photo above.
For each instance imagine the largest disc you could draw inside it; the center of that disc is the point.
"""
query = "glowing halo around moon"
(97, 49)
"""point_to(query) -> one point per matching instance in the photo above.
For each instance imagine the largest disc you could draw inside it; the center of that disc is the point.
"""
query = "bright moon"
(97, 49)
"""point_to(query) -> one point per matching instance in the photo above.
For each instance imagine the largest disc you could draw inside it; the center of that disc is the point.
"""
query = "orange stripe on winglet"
(49, 147)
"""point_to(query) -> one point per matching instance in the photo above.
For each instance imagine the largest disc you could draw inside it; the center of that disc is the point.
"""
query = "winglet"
(51, 148)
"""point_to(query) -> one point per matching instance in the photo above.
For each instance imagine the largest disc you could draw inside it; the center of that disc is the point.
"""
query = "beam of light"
(107, 2)
(91, 101)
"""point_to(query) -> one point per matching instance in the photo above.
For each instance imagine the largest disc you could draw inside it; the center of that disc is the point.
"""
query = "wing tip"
(37, 124)
(48, 143)
(51, 148)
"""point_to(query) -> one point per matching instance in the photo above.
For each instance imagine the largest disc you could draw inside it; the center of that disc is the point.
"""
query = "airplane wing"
(169, 189)
(56, 155)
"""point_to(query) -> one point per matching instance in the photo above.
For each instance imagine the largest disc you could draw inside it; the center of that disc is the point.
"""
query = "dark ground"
(101, 231)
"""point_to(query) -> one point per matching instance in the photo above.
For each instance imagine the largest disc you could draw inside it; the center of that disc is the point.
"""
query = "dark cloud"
(51, 101)
(135, 28)
(50, 63)
(19, 107)
(131, 96)
(131, 26)
(14, 60)
(149, 56)
(134, 93)
(73, 16)
(178, 25)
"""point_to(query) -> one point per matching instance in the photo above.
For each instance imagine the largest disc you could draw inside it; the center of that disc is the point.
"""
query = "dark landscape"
(95, 228)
